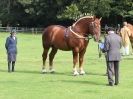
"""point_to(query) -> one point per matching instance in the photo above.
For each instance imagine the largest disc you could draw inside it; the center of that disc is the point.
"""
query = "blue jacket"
(11, 45)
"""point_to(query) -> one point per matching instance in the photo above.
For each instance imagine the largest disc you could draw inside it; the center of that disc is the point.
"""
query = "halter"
(89, 36)
(77, 34)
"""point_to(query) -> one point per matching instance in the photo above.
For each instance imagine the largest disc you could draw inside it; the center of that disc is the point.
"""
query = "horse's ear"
(100, 19)
(94, 17)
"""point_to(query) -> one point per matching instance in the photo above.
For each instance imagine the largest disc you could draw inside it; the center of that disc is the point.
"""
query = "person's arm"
(16, 45)
(7, 43)
(106, 45)
(120, 42)
(99, 50)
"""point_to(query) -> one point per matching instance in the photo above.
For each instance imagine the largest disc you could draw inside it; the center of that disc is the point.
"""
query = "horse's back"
(52, 28)
(54, 35)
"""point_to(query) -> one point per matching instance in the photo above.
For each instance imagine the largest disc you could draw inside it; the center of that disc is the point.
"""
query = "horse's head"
(89, 25)
(95, 28)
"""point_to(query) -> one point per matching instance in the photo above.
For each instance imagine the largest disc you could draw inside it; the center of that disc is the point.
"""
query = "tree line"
(40, 13)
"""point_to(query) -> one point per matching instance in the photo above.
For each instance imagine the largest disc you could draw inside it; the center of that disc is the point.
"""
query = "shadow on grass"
(62, 73)
(29, 72)
(22, 71)
(83, 82)
(55, 73)
(71, 74)
(99, 74)
(36, 72)
(3, 70)
(39, 72)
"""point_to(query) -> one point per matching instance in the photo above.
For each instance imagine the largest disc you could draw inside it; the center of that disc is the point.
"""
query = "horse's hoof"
(75, 73)
(44, 71)
(82, 72)
(51, 71)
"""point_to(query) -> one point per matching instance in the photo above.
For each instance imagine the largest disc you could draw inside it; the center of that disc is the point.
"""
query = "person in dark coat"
(11, 48)
(112, 46)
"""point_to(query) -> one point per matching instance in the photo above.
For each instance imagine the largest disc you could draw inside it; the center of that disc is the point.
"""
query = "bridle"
(77, 34)
(87, 37)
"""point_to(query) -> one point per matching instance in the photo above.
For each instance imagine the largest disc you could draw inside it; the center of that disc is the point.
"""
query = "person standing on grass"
(11, 48)
(125, 33)
(112, 46)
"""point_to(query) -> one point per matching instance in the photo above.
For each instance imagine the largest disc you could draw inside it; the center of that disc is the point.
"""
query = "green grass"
(28, 82)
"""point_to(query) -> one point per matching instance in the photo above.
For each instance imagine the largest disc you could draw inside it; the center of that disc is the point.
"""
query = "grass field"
(28, 82)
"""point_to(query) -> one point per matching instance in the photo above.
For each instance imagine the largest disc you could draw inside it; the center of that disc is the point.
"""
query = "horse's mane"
(83, 17)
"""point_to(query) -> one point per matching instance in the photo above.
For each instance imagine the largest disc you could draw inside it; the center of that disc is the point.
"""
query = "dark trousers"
(11, 65)
(110, 65)
(107, 65)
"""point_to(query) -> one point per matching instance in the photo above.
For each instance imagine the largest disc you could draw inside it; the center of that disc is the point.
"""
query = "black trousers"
(110, 65)
(11, 66)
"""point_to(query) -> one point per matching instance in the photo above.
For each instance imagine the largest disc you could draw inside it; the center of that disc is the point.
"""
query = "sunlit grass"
(28, 82)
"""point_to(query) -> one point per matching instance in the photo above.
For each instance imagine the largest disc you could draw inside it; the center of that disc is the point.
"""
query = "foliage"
(46, 12)
(71, 12)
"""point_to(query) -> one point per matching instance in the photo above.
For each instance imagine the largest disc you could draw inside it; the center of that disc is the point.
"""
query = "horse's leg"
(51, 57)
(75, 60)
(44, 57)
(81, 56)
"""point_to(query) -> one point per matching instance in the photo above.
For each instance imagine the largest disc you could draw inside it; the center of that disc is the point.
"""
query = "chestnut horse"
(73, 38)
(130, 26)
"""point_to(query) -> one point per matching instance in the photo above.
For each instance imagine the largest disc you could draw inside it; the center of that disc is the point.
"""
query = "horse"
(130, 26)
(74, 38)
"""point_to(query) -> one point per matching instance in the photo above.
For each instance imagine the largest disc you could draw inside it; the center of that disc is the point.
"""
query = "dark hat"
(13, 31)
(110, 29)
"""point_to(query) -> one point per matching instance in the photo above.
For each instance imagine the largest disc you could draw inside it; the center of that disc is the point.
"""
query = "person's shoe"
(44, 71)
(12, 69)
(105, 74)
(116, 83)
(51, 70)
(9, 71)
(111, 84)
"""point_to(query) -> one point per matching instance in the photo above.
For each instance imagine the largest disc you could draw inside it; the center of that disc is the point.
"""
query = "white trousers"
(125, 50)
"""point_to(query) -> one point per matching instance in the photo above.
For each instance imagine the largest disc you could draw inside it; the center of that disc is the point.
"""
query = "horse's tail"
(43, 37)
(44, 30)
(45, 41)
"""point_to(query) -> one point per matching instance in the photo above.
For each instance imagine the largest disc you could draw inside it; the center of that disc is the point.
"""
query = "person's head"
(111, 30)
(13, 32)
(124, 23)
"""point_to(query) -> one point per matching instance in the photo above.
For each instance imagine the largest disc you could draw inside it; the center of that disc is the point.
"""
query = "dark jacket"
(11, 45)
(112, 46)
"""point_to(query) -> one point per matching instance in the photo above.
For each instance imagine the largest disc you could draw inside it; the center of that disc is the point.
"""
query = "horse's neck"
(82, 25)
(81, 28)
(130, 27)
